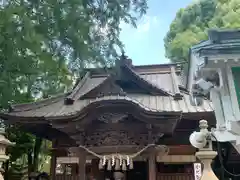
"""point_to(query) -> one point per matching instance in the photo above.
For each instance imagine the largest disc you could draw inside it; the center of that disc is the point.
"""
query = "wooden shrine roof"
(147, 103)
(162, 93)
(151, 94)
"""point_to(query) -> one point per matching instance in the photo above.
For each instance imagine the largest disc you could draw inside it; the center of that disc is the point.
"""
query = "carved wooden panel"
(112, 117)
(114, 138)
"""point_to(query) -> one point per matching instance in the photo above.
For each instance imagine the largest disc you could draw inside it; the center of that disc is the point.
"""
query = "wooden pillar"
(82, 165)
(53, 165)
(95, 169)
(152, 167)
(74, 169)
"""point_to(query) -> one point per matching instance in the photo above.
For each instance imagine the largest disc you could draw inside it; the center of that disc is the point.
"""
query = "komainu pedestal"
(206, 157)
(203, 139)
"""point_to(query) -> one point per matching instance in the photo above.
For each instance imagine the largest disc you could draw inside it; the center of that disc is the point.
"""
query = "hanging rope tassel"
(104, 161)
(124, 165)
(131, 164)
(100, 164)
(123, 160)
(109, 165)
(113, 160)
(120, 159)
(117, 165)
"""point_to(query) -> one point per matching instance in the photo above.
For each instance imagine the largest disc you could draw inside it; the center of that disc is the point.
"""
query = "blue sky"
(145, 45)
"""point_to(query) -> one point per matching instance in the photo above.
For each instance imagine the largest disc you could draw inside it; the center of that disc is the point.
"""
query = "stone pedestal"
(206, 153)
(206, 158)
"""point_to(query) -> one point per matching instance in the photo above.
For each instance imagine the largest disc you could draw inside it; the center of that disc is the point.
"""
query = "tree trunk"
(36, 152)
(30, 162)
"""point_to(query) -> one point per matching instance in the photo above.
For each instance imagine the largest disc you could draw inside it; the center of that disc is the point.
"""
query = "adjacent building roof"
(151, 89)
(219, 42)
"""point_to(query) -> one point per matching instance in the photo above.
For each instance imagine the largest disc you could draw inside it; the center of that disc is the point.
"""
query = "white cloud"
(155, 20)
(144, 25)
(147, 23)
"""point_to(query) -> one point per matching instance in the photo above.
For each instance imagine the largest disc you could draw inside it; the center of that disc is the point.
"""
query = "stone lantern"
(202, 141)
(4, 143)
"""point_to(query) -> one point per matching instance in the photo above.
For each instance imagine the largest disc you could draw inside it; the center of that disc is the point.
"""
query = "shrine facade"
(127, 121)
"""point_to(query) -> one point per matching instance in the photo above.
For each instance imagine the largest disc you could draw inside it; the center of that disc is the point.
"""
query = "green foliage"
(44, 43)
(77, 31)
(24, 142)
(191, 24)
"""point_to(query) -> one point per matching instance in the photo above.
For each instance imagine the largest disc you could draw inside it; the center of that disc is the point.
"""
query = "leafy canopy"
(43, 43)
(191, 24)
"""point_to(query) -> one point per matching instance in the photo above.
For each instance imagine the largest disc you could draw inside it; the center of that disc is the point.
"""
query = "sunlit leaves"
(43, 43)
(192, 23)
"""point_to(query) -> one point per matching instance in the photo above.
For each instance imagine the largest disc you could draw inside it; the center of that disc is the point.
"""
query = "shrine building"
(128, 121)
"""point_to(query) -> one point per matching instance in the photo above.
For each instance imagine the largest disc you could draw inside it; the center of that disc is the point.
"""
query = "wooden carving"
(112, 117)
(114, 138)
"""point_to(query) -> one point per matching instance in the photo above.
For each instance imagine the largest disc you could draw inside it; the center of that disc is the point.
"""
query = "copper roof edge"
(144, 66)
(124, 99)
(78, 87)
(108, 78)
(38, 104)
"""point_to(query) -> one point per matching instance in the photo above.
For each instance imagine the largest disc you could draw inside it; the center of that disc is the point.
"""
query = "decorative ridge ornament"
(125, 59)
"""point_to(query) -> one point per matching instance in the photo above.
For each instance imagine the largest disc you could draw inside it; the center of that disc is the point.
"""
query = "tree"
(44, 44)
(191, 24)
